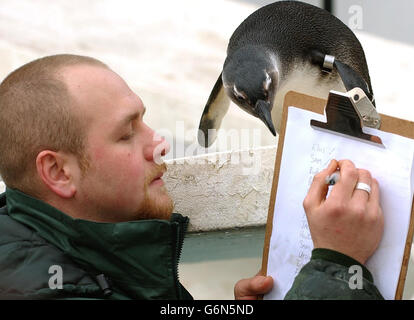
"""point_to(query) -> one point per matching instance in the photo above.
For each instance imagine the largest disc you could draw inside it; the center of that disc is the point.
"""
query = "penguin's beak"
(263, 113)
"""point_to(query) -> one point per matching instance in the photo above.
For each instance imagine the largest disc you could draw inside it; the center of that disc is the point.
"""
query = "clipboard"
(389, 124)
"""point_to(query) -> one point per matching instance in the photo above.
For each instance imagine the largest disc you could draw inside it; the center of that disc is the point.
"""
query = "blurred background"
(171, 53)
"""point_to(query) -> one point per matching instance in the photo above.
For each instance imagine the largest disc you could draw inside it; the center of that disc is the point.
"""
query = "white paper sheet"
(306, 152)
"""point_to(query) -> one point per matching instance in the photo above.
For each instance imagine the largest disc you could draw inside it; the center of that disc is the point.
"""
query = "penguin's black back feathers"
(296, 29)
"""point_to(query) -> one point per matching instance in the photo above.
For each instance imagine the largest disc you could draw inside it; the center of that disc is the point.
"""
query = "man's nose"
(158, 148)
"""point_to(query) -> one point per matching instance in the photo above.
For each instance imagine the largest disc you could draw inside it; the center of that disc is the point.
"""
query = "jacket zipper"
(180, 225)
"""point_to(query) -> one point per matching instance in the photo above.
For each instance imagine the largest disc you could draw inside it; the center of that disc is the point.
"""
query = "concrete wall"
(384, 18)
(223, 190)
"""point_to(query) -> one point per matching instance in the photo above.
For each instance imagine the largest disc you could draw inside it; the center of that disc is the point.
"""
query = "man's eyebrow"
(131, 117)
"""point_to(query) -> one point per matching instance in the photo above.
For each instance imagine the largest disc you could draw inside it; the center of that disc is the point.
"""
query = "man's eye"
(126, 137)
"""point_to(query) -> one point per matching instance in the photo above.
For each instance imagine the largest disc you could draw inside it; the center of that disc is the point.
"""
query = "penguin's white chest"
(304, 79)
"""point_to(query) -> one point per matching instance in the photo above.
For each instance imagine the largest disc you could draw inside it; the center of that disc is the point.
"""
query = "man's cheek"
(129, 199)
(131, 176)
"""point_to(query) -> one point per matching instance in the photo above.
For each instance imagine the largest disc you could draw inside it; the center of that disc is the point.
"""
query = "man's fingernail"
(331, 163)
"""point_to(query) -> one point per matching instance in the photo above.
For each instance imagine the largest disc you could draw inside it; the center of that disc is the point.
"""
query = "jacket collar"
(140, 257)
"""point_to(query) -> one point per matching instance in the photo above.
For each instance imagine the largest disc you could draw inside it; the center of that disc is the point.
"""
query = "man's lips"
(158, 177)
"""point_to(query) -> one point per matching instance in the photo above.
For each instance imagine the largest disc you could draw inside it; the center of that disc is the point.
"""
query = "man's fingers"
(250, 289)
(373, 205)
(343, 190)
(318, 189)
(361, 195)
(375, 193)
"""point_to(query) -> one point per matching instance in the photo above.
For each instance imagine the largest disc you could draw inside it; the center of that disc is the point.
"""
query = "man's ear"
(56, 172)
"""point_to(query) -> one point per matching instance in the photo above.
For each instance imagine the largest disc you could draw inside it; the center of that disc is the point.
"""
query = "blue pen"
(333, 178)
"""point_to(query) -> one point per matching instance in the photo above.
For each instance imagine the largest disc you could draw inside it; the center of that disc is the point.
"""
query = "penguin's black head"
(250, 78)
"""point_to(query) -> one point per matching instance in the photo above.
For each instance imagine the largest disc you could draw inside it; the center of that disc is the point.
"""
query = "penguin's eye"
(238, 94)
(267, 82)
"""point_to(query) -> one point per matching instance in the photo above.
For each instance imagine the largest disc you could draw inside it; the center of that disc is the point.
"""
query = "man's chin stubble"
(158, 206)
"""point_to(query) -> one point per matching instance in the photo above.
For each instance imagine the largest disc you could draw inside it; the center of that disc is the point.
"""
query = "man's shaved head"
(36, 114)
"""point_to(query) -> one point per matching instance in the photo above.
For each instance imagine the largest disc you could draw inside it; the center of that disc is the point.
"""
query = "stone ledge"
(222, 190)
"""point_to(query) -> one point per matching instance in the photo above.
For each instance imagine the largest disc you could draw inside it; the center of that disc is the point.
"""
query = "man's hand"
(252, 288)
(350, 220)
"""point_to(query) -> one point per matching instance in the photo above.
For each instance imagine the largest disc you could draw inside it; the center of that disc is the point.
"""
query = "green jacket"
(126, 260)
(328, 276)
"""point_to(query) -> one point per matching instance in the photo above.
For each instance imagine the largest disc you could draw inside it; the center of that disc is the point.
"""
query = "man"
(85, 213)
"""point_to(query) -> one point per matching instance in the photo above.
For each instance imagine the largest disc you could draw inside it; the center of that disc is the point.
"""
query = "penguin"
(280, 47)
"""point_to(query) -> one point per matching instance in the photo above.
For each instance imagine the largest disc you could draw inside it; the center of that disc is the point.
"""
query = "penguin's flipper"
(217, 105)
(352, 79)
(349, 76)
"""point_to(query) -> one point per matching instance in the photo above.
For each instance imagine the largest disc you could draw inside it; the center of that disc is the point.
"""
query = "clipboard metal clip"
(347, 113)
(365, 109)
